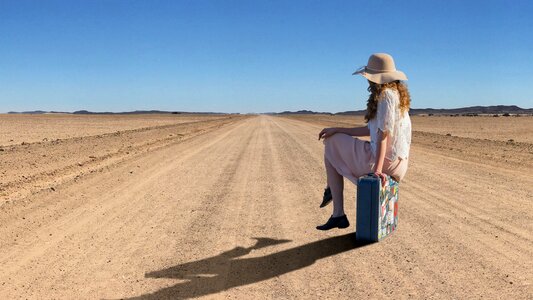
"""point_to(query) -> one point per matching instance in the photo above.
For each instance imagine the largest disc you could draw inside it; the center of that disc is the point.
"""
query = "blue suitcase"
(377, 208)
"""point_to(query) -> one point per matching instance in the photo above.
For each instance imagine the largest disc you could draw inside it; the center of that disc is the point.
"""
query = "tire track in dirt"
(23, 210)
(32, 167)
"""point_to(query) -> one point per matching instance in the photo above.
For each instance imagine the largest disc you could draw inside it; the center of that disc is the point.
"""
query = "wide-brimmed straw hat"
(381, 69)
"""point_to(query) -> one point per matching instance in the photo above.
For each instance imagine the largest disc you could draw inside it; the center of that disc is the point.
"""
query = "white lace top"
(389, 118)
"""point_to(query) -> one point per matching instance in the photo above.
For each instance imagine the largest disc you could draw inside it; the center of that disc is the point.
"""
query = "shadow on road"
(224, 271)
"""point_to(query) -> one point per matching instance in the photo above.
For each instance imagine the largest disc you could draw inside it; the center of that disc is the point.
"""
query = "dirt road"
(230, 212)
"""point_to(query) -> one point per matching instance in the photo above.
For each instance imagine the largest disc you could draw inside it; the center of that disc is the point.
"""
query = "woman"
(389, 128)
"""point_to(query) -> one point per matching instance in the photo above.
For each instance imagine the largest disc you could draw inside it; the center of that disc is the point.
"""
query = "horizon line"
(155, 111)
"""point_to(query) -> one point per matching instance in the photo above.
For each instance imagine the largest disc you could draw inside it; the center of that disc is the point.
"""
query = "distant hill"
(301, 112)
(86, 112)
(496, 109)
(33, 112)
(352, 113)
(137, 112)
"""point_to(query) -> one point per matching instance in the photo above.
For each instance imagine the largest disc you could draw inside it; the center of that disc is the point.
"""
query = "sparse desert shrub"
(506, 115)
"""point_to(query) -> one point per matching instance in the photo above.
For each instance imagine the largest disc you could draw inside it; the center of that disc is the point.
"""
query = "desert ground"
(225, 206)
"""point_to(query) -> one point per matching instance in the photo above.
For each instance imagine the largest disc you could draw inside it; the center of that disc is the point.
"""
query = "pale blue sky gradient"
(259, 56)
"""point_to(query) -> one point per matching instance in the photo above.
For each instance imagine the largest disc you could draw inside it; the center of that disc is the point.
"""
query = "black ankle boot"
(335, 222)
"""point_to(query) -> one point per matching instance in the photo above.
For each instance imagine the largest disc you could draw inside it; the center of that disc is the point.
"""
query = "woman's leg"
(336, 184)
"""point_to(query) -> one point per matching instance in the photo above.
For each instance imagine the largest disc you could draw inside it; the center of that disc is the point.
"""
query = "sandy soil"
(228, 209)
(31, 128)
(518, 129)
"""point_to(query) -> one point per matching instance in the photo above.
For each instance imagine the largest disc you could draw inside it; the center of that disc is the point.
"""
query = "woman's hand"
(382, 176)
(326, 132)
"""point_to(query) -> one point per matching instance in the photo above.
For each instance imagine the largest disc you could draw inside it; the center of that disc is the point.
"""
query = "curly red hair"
(376, 90)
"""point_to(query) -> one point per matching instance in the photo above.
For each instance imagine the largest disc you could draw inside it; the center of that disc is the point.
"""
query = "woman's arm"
(356, 131)
(381, 148)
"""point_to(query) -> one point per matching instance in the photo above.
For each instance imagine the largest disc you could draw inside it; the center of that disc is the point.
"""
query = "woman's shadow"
(224, 271)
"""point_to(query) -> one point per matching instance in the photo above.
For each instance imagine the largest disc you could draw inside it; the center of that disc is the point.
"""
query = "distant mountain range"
(86, 112)
(472, 110)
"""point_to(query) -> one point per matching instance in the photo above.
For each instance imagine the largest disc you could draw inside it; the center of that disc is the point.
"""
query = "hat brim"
(381, 78)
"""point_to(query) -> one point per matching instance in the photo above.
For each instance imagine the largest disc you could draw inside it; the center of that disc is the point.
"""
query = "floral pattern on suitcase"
(388, 213)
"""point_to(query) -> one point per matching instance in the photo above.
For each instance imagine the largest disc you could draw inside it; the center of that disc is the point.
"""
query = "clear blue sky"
(259, 56)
